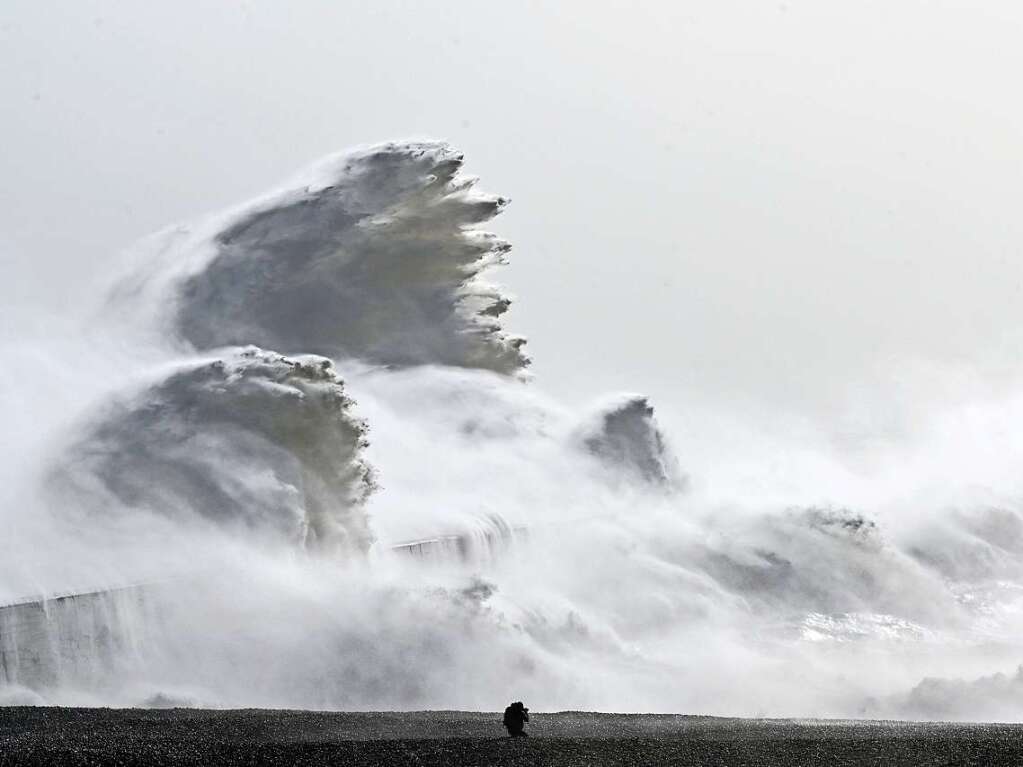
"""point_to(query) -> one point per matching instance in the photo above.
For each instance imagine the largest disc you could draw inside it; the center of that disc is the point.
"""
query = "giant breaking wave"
(320, 478)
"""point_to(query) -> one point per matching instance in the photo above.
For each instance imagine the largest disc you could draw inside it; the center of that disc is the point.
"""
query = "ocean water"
(293, 459)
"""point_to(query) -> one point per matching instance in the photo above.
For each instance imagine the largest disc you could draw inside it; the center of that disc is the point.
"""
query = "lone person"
(515, 716)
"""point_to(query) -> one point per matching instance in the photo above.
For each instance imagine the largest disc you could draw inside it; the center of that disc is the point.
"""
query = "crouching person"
(515, 717)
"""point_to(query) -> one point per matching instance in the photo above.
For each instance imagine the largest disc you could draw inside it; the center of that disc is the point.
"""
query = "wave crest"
(250, 439)
(374, 255)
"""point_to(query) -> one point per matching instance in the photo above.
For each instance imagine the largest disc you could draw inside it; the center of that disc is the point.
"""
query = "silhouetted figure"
(515, 716)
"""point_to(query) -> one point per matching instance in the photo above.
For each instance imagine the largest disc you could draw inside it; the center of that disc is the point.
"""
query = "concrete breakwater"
(75, 640)
(89, 640)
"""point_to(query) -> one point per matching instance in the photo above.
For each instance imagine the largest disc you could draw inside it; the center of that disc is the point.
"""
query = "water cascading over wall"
(79, 641)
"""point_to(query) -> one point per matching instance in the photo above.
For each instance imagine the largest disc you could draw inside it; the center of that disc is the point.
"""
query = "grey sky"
(799, 203)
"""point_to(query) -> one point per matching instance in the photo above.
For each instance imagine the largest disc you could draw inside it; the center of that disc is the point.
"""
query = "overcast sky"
(797, 203)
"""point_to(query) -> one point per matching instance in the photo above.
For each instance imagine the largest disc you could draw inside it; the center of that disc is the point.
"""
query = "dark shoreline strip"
(94, 736)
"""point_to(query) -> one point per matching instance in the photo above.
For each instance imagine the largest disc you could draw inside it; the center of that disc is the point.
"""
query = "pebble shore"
(67, 736)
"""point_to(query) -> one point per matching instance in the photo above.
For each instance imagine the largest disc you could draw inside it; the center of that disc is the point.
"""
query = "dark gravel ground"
(69, 736)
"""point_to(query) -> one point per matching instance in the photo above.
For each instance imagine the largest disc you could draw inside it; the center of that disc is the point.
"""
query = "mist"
(763, 257)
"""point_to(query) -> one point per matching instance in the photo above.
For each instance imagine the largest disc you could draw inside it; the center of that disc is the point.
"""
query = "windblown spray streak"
(520, 546)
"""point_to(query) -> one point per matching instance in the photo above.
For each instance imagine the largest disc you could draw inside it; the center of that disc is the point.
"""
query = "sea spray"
(191, 444)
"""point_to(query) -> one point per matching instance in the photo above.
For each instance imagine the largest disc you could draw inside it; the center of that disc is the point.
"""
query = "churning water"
(295, 460)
